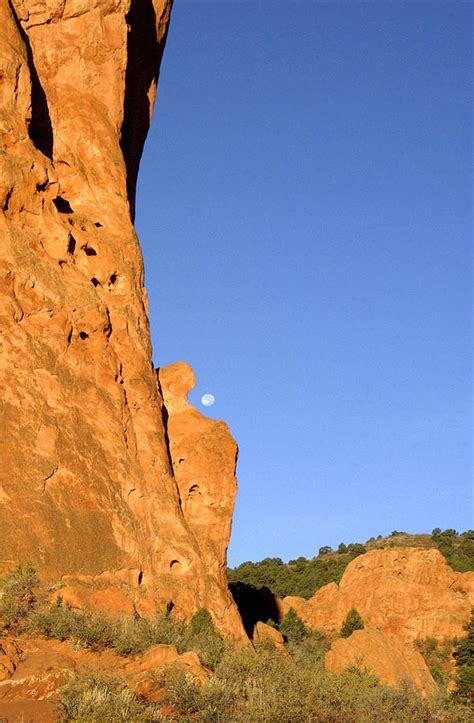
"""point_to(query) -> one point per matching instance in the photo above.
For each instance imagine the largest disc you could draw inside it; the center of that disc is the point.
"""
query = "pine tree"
(464, 655)
(352, 622)
(292, 627)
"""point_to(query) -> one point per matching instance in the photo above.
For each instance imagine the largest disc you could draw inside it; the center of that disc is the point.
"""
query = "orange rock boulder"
(390, 659)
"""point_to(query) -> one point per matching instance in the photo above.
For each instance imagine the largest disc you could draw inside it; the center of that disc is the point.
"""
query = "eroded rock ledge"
(87, 488)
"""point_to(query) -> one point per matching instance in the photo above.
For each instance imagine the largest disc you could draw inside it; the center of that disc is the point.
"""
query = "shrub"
(352, 622)
(311, 649)
(89, 698)
(259, 686)
(292, 627)
(464, 655)
(19, 596)
(204, 640)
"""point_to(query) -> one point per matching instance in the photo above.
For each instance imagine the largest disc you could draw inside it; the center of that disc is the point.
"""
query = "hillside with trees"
(302, 576)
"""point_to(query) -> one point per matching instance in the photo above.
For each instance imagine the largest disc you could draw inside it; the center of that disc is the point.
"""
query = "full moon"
(208, 400)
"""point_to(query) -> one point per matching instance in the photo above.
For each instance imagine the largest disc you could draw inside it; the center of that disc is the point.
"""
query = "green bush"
(89, 698)
(292, 627)
(204, 640)
(464, 655)
(352, 622)
(18, 595)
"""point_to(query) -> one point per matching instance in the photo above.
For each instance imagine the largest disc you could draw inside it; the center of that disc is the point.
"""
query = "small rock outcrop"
(87, 485)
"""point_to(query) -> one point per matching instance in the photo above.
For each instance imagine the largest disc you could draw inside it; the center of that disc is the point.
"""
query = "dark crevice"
(95, 281)
(71, 246)
(144, 56)
(40, 128)
(62, 205)
(165, 417)
(88, 250)
(113, 279)
(83, 335)
(98, 224)
(140, 577)
(7, 199)
(42, 186)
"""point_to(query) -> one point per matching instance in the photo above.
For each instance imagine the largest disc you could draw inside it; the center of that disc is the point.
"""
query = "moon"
(208, 400)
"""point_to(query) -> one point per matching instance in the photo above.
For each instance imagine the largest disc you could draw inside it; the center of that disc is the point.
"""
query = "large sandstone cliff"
(88, 484)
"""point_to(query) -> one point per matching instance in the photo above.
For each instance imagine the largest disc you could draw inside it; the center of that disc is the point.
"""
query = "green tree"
(342, 548)
(464, 655)
(292, 627)
(326, 550)
(352, 622)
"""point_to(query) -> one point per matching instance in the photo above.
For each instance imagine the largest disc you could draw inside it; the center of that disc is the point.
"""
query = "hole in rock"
(113, 279)
(175, 565)
(69, 336)
(62, 205)
(71, 246)
(95, 281)
(83, 335)
(98, 224)
(140, 577)
(61, 263)
(169, 607)
(194, 491)
(88, 250)
(42, 186)
(181, 460)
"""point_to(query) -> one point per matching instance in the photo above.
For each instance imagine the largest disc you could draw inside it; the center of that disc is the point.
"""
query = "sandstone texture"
(89, 487)
(406, 592)
(389, 658)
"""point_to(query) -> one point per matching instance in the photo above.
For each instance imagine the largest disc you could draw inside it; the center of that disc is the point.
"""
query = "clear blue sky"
(304, 210)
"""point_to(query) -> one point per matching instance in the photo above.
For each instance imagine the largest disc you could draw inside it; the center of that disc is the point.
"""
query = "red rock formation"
(86, 483)
(407, 592)
(392, 660)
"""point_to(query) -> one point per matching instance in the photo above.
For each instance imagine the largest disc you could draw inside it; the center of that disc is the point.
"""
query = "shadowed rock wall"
(87, 488)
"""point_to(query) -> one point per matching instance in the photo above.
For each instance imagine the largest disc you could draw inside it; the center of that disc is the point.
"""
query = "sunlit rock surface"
(87, 487)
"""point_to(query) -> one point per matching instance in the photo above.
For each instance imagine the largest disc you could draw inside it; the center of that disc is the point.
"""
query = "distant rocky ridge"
(99, 486)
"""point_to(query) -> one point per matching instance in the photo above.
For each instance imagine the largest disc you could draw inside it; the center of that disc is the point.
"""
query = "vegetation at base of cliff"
(257, 685)
(89, 698)
(464, 656)
(303, 577)
(129, 635)
(437, 655)
(21, 609)
(352, 622)
(263, 686)
(18, 594)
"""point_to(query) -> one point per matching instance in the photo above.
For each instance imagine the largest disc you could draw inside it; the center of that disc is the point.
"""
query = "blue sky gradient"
(305, 213)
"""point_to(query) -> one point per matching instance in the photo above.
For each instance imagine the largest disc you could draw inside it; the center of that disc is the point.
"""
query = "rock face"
(87, 483)
(407, 592)
(392, 660)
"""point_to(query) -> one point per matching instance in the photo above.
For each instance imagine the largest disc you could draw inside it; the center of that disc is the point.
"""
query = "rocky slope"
(402, 595)
(89, 485)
